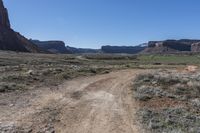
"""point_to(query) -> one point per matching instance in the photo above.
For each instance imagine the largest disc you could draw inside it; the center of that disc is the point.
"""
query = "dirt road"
(98, 104)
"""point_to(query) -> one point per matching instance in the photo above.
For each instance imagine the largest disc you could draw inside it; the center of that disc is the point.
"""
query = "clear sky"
(92, 23)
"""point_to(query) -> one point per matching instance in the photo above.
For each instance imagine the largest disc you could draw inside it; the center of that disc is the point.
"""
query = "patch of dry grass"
(22, 71)
(169, 101)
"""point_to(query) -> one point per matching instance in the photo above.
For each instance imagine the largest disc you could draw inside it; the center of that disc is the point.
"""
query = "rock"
(191, 68)
(11, 40)
(82, 50)
(4, 21)
(30, 72)
(172, 46)
(123, 49)
(11, 105)
(196, 102)
(195, 47)
(52, 46)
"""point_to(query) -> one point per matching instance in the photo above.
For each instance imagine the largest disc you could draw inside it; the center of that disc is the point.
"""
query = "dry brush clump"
(169, 101)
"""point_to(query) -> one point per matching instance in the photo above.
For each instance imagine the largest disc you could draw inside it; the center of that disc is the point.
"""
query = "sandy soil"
(98, 104)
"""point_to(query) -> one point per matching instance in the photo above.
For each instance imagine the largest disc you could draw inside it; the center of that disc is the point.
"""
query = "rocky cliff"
(123, 49)
(52, 46)
(171, 46)
(9, 39)
(74, 50)
(4, 21)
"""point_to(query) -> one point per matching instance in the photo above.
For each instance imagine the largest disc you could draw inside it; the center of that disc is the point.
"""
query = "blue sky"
(92, 23)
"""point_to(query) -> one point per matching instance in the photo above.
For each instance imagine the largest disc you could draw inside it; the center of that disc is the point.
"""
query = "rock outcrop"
(74, 50)
(52, 46)
(9, 39)
(4, 20)
(170, 46)
(123, 49)
(195, 47)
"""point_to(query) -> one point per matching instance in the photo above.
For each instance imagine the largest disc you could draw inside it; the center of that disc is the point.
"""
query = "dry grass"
(169, 101)
(22, 71)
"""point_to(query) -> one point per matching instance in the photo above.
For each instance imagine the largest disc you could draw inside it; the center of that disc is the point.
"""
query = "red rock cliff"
(9, 39)
(4, 20)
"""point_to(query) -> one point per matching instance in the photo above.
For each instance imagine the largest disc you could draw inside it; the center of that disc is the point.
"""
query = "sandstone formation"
(170, 46)
(52, 46)
(4, 21)
(74, 50)
(123, 49)
(9, 39)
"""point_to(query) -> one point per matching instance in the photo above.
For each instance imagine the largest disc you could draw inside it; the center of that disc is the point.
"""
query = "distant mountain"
(82, 50)
(9, 39)
(59, 47)
(173, 46)
(52, 46)
(123, 49)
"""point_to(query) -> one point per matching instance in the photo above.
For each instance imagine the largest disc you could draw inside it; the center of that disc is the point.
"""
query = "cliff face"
(52, 46)
(123, 49)
(4, 20)
(171, 46)
(74, 50)
(9, 39)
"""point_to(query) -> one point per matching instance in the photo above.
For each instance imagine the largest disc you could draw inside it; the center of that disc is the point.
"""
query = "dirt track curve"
(97, 104)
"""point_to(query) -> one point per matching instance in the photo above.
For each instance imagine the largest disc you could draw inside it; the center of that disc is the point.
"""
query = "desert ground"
(99, 93)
